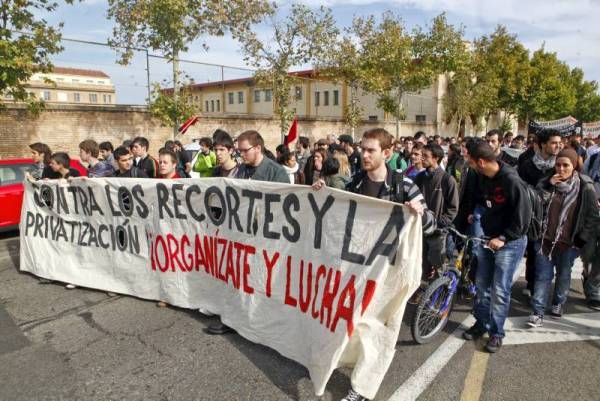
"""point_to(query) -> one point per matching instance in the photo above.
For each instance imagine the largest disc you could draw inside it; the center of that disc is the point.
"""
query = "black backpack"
(536, 204)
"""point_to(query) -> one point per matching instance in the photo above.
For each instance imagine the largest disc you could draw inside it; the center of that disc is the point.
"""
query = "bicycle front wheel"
(433, 311)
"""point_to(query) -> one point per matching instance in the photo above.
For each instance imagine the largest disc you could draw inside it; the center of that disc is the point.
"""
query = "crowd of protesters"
(482, 186)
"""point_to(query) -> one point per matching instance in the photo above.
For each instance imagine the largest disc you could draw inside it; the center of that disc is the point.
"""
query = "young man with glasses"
(256, 166)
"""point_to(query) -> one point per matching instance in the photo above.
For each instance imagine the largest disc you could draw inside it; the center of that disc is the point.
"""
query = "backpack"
(536, 205)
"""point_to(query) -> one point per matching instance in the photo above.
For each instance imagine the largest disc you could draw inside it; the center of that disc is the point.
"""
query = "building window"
(104, 98)
(89, 81)
(218, 105)
(421, 118)
(240, 97)
(230, 97)
(46, 95)
(100, 82)
(298, 93)
(326, 98)
(256, 96)
(196, 99)
(268, 94)
(336, 98)
(93, 98)
(76, 97)
(373, 118)
(212, 106)
(317, 98)
(206, 108)
(109, 98)
(75, 80)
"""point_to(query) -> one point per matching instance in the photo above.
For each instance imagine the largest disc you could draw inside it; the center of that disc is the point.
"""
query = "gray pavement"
(82, 344)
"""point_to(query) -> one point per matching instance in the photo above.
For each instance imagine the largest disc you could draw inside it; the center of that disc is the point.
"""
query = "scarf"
(542, 164)
(571, 189)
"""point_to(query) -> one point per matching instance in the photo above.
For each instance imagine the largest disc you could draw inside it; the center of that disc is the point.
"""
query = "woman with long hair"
(571, 215)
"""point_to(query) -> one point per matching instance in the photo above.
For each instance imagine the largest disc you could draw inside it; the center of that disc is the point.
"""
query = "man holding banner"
(377, 180)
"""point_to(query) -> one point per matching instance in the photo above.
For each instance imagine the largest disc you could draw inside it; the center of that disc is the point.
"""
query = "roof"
(79, 71)
(247, 80)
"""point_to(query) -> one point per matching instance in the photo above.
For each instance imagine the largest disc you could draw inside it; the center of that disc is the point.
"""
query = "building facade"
(73, 85)
(312, 97)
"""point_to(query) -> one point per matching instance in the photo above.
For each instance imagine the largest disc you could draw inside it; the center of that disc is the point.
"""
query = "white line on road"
(573, 327)
(412, 388)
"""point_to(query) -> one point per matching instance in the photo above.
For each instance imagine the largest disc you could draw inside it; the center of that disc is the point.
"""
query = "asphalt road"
(81, 344)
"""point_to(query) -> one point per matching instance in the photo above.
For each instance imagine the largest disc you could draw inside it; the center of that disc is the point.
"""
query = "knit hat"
(569, 154)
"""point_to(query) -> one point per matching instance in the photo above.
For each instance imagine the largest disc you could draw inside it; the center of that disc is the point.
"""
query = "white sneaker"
(205, 312)
(70, 286)
(535, 320)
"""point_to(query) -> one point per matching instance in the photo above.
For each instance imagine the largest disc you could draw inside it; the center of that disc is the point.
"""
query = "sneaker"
(218, 329)
(535, 320)
(70, 286)
(493, 344)
(474, 332)
(161, 304)
(353, 396)
(556, 311)
(594, 304)
(205, 312)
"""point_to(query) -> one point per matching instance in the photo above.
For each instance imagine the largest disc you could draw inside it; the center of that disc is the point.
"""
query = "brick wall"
(63, 127)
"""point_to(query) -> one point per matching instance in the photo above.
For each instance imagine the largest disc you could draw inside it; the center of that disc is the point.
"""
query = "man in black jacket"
(354, 158)
(125, 168)
(532, 170)
(505, 220)
(441, 195)
(141, 158)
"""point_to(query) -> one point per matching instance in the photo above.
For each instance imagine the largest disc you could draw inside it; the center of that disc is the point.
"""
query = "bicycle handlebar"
(465, 237)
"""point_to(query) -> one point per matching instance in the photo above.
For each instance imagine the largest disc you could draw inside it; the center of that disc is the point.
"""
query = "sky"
(569, 28)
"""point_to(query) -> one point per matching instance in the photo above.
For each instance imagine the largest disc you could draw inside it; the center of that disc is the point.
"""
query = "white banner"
(591, 129)
(322, 277)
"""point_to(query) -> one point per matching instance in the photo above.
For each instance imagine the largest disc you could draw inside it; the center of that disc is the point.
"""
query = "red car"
(12, 174)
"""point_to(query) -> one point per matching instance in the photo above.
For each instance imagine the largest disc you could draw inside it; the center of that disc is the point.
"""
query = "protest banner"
(322, 277)
(591, 129)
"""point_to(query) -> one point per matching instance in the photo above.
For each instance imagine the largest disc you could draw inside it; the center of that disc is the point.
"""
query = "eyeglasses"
(246, 150)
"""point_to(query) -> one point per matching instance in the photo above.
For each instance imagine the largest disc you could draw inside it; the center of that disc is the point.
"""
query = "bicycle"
(434, 308)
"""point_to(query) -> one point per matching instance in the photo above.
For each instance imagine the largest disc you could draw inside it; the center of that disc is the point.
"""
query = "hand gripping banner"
(322, 277)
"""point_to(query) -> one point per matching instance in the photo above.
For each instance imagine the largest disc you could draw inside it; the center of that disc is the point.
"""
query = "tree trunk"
(176, 91)
(398, 114)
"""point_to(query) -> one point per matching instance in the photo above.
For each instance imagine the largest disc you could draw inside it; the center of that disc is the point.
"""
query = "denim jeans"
(544, 273)
(494, 281)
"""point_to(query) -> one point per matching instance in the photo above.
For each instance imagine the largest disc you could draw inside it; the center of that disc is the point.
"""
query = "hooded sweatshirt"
(506, 201)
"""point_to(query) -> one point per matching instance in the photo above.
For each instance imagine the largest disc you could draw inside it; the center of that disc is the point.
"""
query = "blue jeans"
(495, 271)
(544, 273)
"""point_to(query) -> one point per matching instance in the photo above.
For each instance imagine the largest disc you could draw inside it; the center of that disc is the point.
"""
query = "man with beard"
(256, 167)
(379, 181)
(532, 171)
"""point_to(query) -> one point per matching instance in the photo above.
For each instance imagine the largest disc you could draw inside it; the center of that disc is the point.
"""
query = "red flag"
(187, 124)
(292, 133)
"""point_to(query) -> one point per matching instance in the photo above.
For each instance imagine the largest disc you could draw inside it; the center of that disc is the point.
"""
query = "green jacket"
(205, 164)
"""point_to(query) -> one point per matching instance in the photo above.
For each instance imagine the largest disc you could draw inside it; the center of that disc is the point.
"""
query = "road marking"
(475, 376)
(412, 388)
(572, 327)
